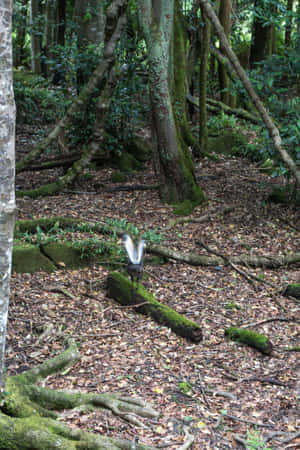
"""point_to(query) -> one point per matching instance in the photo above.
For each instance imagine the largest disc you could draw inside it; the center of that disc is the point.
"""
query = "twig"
(189, 439)
(265, 380)
(249, 277)
(63, 291)
(239, 419)
(272, 319)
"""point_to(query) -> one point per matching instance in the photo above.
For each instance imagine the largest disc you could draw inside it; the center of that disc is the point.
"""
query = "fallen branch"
(124, 292)
(217, 106)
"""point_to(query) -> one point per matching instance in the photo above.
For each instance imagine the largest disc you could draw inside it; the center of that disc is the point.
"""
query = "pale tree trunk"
(177, 180)
(7, 162)
(270, 125)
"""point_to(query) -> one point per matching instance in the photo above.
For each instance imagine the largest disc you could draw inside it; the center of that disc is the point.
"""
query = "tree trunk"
(7, 164)
(261, 45)
(21, 26)
(90, 18)
(36, 35)
(271, 127)
(117, 18)
(288, 24)
(101, 79)
(177, 179)
(61, 22)
(179, 69)
(224, 17)
(205, 41)
(50, 25)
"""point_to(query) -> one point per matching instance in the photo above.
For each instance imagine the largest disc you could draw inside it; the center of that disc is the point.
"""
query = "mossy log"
(29, 416)
(124, 292)
(293, 290)
(255, 340)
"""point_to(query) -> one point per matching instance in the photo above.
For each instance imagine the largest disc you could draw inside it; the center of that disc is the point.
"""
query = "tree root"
(29, 413)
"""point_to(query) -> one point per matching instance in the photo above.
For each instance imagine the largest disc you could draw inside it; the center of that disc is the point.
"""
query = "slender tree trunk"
(179, 88)
(271, 127)
(205, 41)
(90, 18)
(49, 33)
(21, 26)
(261, 45)
(224, 17)
(288, 25)
(36, 35)
(61, 22)
(177, 180)
(7, 163)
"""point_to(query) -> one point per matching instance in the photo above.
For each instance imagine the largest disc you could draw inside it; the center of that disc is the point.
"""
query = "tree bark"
(205, 41)
(175, 168)
(7, 164)
(288, 24)
(261, 45)
(224, 17)
(36, 12)
(21, 27)
(271, 127)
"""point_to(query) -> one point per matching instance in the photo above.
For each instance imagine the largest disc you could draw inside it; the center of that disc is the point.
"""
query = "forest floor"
(215, 389)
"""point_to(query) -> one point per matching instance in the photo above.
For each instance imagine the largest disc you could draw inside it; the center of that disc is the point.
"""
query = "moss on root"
(248, 337)
(28, 420)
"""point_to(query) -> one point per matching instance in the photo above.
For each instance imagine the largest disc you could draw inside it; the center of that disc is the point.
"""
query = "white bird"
(135, 256)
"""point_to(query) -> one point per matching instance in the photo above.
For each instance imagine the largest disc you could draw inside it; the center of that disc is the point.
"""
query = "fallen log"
(255, 340)
(122, 290)
(268, 262)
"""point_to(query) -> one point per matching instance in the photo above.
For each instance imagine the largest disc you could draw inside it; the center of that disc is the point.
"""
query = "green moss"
(121, 289)
(228, 143)
(293, 290)
(258, 341)
(126, 162)
(141, 149)
(45, 223)
(43, 191)
(118, 177)
(183, 209)
(285, 195)
(28, 259)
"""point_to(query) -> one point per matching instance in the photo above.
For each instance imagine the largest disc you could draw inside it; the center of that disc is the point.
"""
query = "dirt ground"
(214, 390)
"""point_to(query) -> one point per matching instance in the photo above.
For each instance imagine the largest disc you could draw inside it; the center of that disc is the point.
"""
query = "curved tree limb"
(116, 18)
(271, 127)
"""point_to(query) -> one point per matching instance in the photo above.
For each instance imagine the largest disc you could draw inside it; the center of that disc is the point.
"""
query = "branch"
(271, 127)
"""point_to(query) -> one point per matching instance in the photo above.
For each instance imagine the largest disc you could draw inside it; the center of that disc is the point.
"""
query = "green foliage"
(255, 441)
(272, 80)
(223, 120)
(35, 100)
